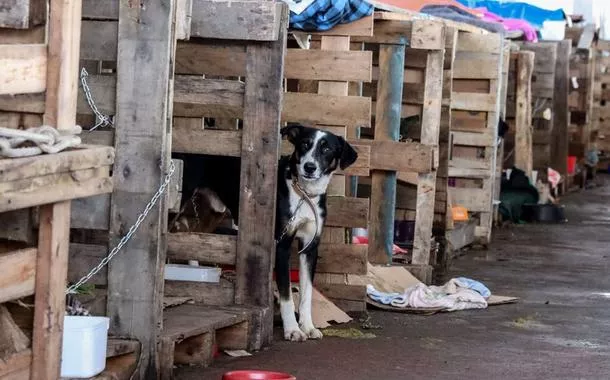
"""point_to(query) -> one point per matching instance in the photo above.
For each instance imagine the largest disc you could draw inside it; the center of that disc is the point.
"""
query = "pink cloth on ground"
(510, 24)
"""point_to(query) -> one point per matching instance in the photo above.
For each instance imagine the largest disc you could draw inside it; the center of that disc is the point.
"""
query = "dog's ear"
(348, 154)
(292, 132)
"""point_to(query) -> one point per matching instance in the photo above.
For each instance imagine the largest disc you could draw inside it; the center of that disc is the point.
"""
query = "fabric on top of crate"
(322, 15)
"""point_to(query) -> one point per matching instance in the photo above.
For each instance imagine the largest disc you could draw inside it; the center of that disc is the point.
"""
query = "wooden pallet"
(192, 334)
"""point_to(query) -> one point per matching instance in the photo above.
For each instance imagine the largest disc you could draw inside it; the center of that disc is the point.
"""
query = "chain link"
(103, 119)
(130, 233)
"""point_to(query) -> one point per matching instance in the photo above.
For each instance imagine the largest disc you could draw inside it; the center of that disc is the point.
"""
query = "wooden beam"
(237, 20)
(24, 69)
(260, 153)
(353, 111)
(426, 183)
(347, 212)
(322, 65)
(205, 248)
(561, 113)
(54, 229)
(387, 128)
(135, 279)
(523, 114)
(18, 280)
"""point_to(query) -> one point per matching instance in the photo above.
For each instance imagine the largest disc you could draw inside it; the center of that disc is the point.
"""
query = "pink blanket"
(511, 24)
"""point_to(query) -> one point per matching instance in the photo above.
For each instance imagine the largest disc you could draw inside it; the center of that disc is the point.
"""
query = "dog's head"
(318, 153)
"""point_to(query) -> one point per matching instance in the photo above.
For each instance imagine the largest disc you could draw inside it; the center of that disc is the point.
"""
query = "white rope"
(43, 139)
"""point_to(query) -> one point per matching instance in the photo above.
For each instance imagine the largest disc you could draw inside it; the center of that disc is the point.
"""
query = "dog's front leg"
(292, 331)
(307, 268)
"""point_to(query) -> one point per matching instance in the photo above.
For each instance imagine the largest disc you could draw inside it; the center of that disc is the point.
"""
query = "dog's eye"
(305, 145)
(325, 149)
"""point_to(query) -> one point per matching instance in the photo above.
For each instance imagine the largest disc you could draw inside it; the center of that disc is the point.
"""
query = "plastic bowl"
(256, 375)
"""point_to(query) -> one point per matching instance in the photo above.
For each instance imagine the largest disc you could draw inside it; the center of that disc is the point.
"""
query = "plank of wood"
(489, 43)
(103, 91)
(34, 35)
(188, 138)
(135, 279)
(559, 149)
(58, 193)
(67, 161)
(99, 40)
(92, 213)
(587, 36)
(353, 111)
(260, 152)
(30, 103)
(237, 20)
(205, 248)
(362, 27)
(22, 14)
(83, 257)
(18, 279)
(523, 154)
(184, 13)
(24, 69)
(100, 9)
(16, 366)
(473, 102)
(347, 212)
(51, 274)
(220, 294)
(341, 258)
(199, 97)
(210, 59)
(400, 156)
(475, 200)
(322, 65)
(12, 338)
(474, 66)
(387, 128)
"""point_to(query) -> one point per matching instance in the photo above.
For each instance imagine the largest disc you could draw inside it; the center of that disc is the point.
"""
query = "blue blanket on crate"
(322, 15)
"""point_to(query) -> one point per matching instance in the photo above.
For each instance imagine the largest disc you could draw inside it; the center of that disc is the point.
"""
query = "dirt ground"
(560, 329)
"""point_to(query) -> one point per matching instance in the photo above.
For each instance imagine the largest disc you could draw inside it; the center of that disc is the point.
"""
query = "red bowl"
(256, 375)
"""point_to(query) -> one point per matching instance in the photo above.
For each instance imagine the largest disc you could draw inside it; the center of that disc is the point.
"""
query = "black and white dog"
(300, 213)
(301, 210)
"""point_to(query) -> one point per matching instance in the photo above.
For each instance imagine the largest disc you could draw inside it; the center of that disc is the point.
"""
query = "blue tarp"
(323, 15)
(530, 13)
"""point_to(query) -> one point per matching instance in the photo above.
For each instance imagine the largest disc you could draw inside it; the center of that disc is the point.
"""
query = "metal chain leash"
(103, 119)
(130, 233)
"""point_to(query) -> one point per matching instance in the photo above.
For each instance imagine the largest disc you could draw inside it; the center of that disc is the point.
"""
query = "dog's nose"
(309, 167)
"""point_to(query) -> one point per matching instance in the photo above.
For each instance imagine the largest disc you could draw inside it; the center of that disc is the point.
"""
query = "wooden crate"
(601, 100)
(36, 90)
(476, 107)
(518, 146)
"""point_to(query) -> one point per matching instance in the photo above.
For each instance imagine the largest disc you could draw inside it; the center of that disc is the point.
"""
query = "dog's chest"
(304, 217)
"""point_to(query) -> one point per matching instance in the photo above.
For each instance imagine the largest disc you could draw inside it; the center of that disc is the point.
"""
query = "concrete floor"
(559, 330)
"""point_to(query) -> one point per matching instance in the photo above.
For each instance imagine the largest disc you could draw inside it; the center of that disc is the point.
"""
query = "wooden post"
(259, 162)
(54, 231)
(135, 277)
(523, 112)
(387, 128)
(426, 183)
(561, 112)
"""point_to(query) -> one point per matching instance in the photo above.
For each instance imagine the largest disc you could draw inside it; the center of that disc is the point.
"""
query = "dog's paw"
(295, 335)
(313, 333)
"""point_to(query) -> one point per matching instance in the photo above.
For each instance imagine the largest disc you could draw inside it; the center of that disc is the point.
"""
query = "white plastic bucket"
(83, 352)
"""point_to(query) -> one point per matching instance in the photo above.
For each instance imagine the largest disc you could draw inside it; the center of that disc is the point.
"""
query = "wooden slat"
(362, 27)
(490, 43)
(473, 102)
(209, 97)
(16, 366)
(221, 294)
(468, 173)
(205, 248)
(198, 58)
(260, 152)
(83, 257)
(353, 111)
(99, 40)
(328, 65)
(24, 69)
(192, 139)
(20, 14)
(523, 158)
(100, 9)
(79, 159)
(34, 35)
(18, 275)
(135, 278)
(387, 128)
(400, 156)
(473, 139)
(236, 20)
(475, 200)
(347, 212)
(559, 149)
(469, 65)
(57, 193)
